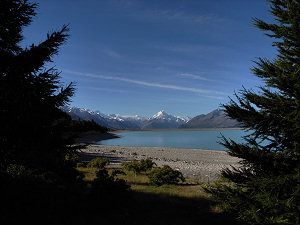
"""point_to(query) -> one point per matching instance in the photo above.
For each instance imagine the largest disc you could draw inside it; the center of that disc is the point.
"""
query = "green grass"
(185, 203)
(140, 183)
(89, 173)
(85, 204)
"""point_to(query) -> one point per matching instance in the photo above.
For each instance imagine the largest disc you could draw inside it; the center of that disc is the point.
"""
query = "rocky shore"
(195, 163)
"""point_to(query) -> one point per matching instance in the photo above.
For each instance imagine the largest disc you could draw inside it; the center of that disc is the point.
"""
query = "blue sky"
(139, 57)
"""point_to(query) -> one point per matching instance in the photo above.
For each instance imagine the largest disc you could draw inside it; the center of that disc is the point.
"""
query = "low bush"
(15, 170)
(132, 166)
(139, 166)
(146, 164)
(71, 159)
(108, 183)
(99, 163)
(80, 164)
(165, 175)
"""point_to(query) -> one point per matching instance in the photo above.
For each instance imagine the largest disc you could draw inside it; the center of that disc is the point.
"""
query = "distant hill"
(214, 119)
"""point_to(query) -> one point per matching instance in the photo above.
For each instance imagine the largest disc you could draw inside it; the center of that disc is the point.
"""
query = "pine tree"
(265, 189)
(32, 125)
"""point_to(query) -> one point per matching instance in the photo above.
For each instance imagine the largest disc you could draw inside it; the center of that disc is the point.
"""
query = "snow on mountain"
(136, 117)
(160, 120)
(111, 121)
(163, 120)
(163, 115)
(128, 118)
(115, 117)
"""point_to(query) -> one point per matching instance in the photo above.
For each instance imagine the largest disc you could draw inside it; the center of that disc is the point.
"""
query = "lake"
(200, 139)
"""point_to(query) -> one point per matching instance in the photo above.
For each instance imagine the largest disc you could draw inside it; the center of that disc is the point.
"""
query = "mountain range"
(161, 120)
(214, 119)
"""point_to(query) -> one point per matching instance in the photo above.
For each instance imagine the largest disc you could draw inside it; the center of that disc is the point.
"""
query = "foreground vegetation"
(183, 203)
(102, 196)
(266, 187)
(39, 182)
(38, 179)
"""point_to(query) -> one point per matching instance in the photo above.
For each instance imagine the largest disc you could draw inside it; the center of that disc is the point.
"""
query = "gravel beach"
(195, 163)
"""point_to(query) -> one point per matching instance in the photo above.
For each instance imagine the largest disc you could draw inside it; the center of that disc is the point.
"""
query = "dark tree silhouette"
(32, 125)
(266, 188)
(38, 181)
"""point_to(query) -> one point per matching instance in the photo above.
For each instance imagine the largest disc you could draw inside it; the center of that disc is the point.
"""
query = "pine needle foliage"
(265, 189)
(32, 125)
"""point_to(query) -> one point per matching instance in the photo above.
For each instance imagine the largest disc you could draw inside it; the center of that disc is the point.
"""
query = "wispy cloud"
(177, 15)
(111, 53)
(103, 89)
(195, 77)
(188, 48)
(209, 93)
(167, 13)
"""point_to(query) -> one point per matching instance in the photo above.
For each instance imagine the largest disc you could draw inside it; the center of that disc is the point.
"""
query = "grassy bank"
(83, 204)
(185, 203)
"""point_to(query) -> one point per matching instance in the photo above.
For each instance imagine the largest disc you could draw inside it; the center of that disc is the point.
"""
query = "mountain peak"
(160, 114)
(160, 120)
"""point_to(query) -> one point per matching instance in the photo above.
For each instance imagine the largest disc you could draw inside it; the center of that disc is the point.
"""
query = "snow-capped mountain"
(163, 120)
(128, 118)
(108, 120)
(163, 115)
(160, 120)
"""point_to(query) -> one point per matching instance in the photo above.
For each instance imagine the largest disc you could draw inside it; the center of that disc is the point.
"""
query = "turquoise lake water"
(176, 139)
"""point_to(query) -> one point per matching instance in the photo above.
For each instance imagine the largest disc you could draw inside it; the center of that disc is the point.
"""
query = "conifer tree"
(32, 125)
(266, 187)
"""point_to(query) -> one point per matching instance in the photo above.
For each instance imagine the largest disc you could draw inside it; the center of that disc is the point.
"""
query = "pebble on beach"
(195, 163)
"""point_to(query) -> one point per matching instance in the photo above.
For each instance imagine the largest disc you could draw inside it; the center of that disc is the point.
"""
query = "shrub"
(99, 163)
(71, 159)
(132, 166)
(107, 183)
(139, 166)
(146, 164)
(165, 175)
(16, 170)
(80, 164)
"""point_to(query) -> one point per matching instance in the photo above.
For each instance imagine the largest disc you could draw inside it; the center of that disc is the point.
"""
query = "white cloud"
(191, 48)
(102, 89)
(176, 15)
(209, 93)
(196, 77)
(112, 53)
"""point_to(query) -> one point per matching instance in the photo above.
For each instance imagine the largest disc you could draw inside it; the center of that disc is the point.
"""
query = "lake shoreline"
(196, 163)
(188, 139)
(91, 137)
(205, 165)
(159, 130)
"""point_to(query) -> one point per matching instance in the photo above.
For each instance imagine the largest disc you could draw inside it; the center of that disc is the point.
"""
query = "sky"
(135, 57)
